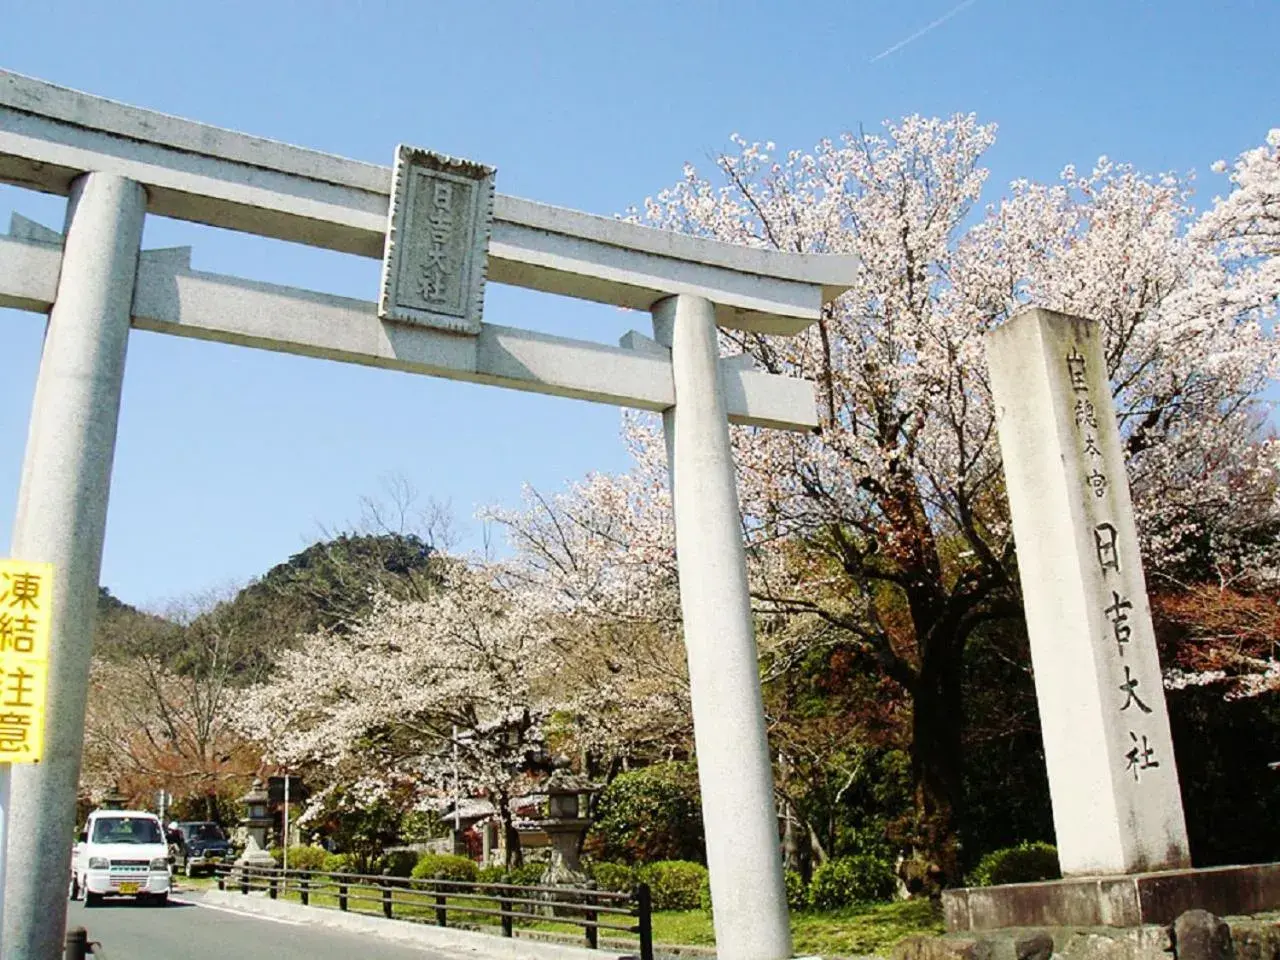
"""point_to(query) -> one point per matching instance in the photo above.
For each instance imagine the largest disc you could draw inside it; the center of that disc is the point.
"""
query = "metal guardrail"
(593, 910)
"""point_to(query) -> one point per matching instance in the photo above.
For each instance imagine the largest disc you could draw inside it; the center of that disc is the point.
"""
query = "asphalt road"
(189, 930)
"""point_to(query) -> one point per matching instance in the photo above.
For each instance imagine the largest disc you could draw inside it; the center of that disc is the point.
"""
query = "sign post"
(284, 790)
(26, 606)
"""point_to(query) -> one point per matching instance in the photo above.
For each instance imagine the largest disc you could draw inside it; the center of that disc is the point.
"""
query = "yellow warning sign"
(26, 609)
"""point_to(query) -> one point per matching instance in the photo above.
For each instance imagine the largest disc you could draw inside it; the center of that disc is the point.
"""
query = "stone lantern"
(114, 800)
(256, 821)
(565, 826)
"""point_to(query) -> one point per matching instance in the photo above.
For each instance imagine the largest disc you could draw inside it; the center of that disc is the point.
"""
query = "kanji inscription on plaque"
(433, 266)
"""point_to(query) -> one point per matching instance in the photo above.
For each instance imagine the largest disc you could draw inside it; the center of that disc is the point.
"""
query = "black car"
(198, 846)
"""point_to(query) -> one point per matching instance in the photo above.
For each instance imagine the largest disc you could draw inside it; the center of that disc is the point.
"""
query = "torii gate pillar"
(62, 519)
(734, 772)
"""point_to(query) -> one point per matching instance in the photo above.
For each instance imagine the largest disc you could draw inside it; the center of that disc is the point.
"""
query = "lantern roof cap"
(563, 782)
(257, 793)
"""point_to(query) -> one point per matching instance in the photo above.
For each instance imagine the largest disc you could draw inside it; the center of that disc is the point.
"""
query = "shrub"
(494, 873)
(648, 815)
(276, 853)
(845, 881)
(616, 877)
(674, 884)
(307, 858)
(797, 891)
(528, 875)
(870, 838)
(1025, 863)
(339, 863)
(445, 866)
(398, 863)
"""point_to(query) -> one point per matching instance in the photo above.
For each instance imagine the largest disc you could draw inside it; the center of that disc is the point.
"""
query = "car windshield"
(126, 830)
(203, 831)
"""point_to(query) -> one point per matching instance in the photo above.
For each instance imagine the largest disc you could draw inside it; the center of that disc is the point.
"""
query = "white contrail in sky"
(923, 30)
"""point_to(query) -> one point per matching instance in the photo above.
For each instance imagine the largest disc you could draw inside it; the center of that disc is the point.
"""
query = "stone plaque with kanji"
(433, 268)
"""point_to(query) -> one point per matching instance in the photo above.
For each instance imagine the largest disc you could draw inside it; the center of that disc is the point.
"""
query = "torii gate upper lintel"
(117, 163)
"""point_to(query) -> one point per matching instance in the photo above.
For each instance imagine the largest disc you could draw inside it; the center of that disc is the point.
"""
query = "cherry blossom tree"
(420, 698)
(1247, 220)
(598, 561)
(889, 526)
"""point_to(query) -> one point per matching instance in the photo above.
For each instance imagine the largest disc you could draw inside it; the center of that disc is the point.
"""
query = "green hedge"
(526, 875)
(1025, 863)
(496, 873)
(307, 858)
(340, 863)
(445, 866)
(846, 881)
(398, 863)
(674, 884)
(615, 877)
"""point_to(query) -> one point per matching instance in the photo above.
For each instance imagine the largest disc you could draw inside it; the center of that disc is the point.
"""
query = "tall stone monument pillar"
(1117, 808)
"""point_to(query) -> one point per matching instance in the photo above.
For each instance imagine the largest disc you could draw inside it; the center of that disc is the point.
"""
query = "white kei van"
(121, 853)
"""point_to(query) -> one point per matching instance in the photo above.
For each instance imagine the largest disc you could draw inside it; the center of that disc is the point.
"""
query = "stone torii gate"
(440, 231)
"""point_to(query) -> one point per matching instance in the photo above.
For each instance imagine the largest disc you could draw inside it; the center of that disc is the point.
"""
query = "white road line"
(238, 913)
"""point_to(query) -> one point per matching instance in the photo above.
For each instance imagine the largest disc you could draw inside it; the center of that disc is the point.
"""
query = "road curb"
(462, 943)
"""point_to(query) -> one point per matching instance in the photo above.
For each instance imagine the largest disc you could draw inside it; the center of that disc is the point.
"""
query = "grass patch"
(872, 928)
(683, 926)
(868, 929)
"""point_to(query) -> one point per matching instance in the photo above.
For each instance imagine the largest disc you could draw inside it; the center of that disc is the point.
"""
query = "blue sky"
(229, 460)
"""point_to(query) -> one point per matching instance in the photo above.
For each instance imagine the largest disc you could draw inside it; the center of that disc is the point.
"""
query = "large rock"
(1199, 935)
(937, 948)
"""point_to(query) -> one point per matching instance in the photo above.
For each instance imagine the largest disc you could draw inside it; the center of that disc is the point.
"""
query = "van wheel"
(160, 899)
(92, 899)
(73, 893)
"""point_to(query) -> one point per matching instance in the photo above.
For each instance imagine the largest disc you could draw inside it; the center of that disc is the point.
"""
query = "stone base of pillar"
(1119, 901)
(1195, 935)
(255, 856)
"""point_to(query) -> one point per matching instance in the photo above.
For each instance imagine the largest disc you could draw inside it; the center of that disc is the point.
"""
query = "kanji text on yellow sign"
(26, 608)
